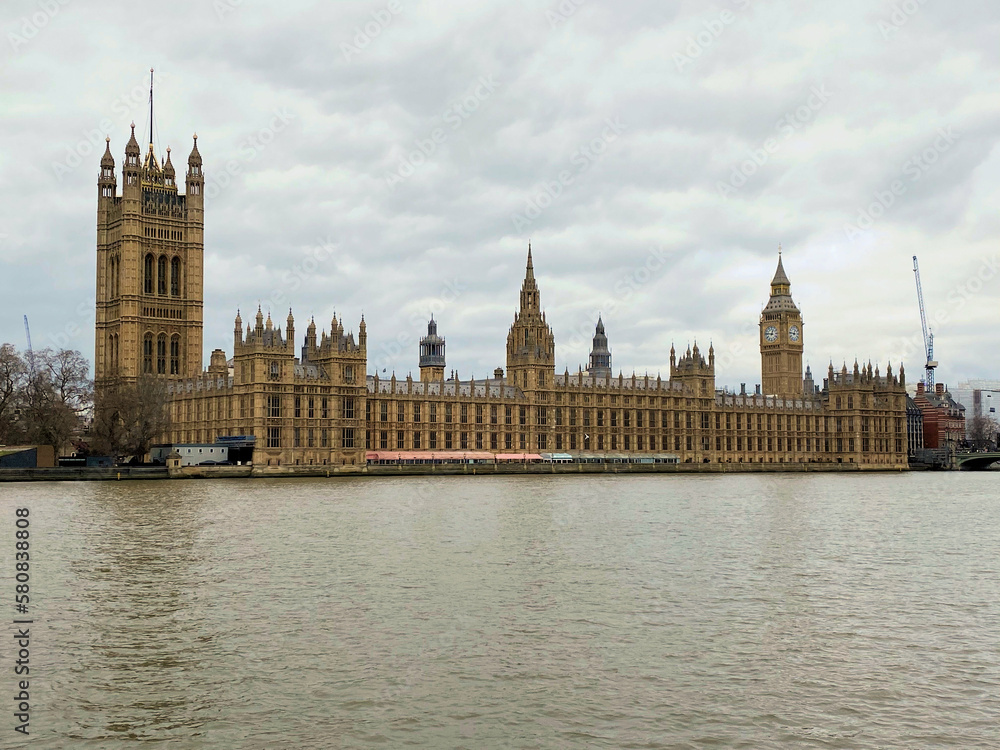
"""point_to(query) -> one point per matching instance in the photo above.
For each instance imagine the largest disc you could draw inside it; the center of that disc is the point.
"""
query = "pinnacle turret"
(194, 159)
(107, 160)
(132, 147)
(600, 354)
(432, 354)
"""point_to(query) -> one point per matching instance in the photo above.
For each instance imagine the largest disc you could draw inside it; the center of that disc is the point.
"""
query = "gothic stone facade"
(150, 246)
(320, 408)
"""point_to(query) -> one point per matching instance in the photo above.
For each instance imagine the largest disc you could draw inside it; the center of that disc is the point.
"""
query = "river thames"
(785, 611)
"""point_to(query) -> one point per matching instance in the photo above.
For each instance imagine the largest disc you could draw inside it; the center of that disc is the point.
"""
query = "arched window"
(175, 355)
(161, 354)
(175, 277)
(147, 285)
(161, 276)
(114, 355)
(147, 352)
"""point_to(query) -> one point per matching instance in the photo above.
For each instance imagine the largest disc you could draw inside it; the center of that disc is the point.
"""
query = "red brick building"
(944, 417)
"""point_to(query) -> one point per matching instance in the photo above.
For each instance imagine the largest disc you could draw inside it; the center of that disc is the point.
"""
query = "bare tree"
(13, 379)
(64, 372)
(56, 397)
(128, 417)
(981, 431)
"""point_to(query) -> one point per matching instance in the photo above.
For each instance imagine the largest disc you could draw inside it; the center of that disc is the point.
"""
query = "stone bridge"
(976, 461)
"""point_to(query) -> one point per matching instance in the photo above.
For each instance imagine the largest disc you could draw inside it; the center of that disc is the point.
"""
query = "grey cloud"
(656, 186)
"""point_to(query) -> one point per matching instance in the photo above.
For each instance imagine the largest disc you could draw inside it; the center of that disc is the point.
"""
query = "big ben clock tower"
(781, 340)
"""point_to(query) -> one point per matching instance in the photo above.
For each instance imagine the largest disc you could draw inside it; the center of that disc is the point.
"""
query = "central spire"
(530, 344)
(530, 304)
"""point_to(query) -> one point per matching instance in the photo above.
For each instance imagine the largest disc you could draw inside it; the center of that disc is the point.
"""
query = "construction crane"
(31, 353)
(928, 335)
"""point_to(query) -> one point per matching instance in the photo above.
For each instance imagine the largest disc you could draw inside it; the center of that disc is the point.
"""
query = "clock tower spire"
(781, 339)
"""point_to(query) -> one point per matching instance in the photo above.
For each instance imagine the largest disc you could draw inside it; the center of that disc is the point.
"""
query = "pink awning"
(429, 456)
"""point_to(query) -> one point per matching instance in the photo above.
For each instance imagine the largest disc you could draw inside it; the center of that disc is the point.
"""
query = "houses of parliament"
(309, 400)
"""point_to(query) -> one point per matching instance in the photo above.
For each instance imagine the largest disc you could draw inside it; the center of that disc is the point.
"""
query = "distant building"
(27, 457)
(981, 398)
(985, 403)
(914, 428)
(192, 454)
(943, 416)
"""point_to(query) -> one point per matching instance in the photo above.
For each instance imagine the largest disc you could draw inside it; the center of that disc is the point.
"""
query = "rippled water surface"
(521, 612)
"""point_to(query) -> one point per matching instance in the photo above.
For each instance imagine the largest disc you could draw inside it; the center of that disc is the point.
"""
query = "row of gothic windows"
(160, 358)
(155, 276)
(114, 271)
(111, 355)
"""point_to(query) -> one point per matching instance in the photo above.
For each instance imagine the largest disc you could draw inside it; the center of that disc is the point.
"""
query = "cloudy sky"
(395, 158)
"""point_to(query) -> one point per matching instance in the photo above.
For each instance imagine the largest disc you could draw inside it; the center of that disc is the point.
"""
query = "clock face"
(793, 333)
(771, 333)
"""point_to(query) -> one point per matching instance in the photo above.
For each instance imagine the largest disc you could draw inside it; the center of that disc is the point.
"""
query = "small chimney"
(920, 387)
(498, 373)
(743, 389)
(758, 389)
(218, 362)
(939, 388)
